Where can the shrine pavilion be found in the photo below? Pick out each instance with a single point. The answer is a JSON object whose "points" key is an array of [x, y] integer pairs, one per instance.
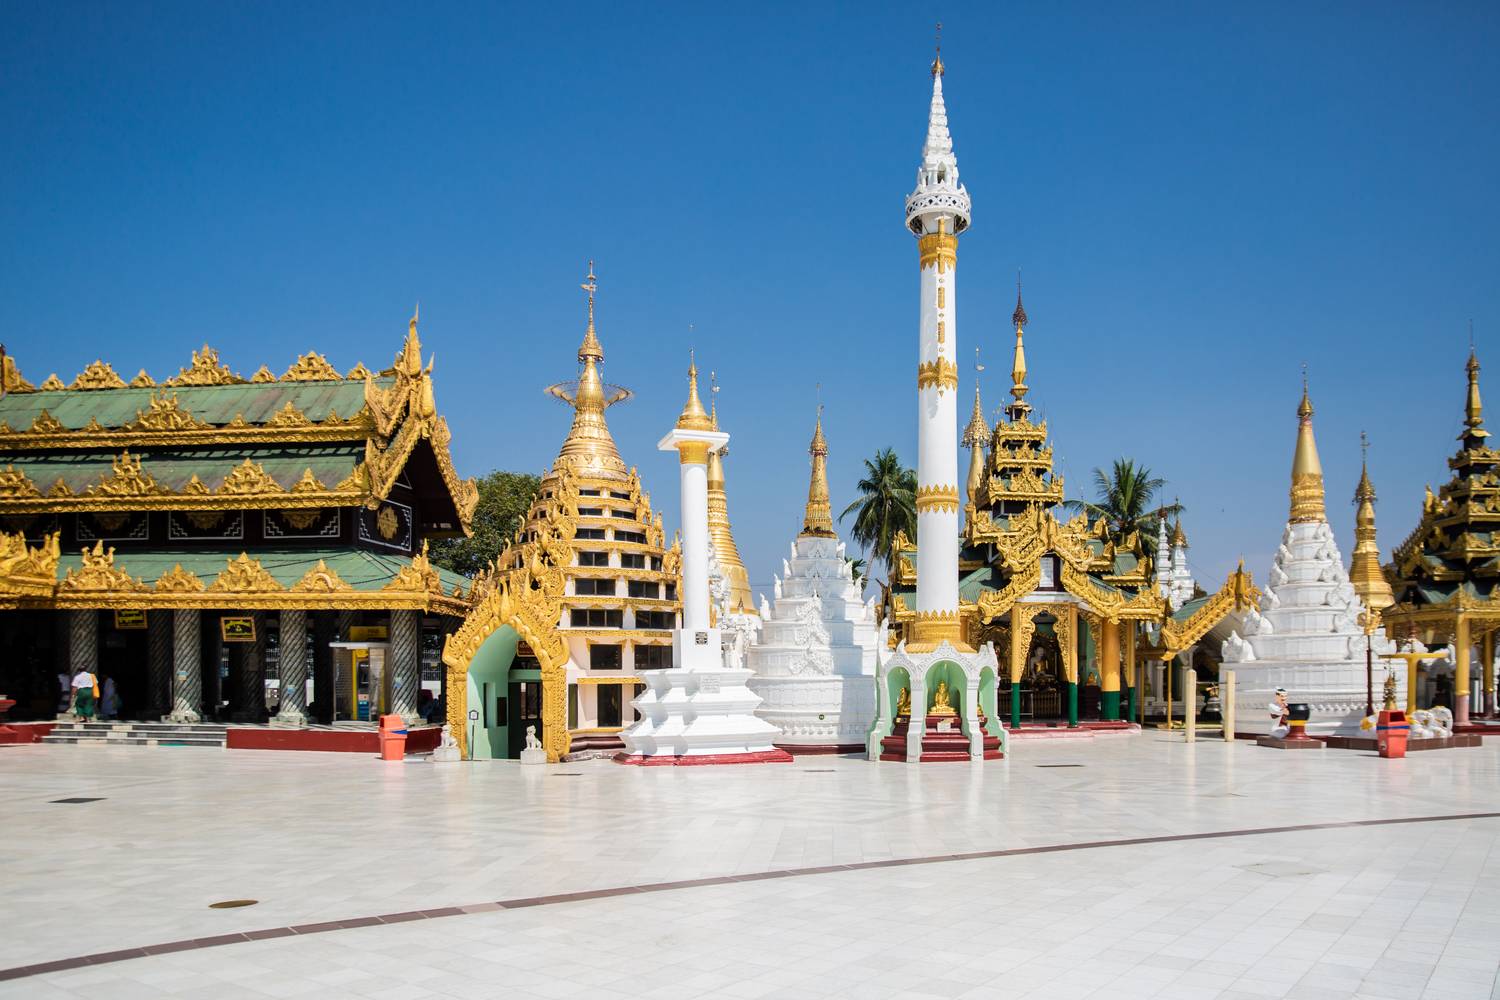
{"points": [[216, 544]]}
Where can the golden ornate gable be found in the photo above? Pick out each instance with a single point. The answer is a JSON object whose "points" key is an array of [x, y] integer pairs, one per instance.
{"points": [[27, 571], [243, 575], [98, 574], [98, 376], [126, 480], [165, 413], [312, 367], [321, 580], [206, 369]]}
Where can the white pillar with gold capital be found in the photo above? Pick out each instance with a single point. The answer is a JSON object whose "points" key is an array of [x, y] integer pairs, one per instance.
{"points": [[936, 213], [699, 711]]}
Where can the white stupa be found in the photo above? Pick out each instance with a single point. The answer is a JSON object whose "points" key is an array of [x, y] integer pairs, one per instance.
{"points": [[814, 665], [1308, 636]]}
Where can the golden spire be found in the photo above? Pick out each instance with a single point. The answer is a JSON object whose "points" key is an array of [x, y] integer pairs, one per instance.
{"points": [[720, 532], [1018, 365], [1364, 569], [975, 436], [1179, 537], [591, 348], [694, 417], [1473, 408], [410, 361], [817, 520], [589, 447], [937, 58], [1307, 471]]}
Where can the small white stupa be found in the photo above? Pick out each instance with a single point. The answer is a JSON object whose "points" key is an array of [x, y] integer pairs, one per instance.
{"points": [[1308, 636], [814, 665]]}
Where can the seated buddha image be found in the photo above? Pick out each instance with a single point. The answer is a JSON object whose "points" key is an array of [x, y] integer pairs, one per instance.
{"points": [[903, 704], [940, 703]]}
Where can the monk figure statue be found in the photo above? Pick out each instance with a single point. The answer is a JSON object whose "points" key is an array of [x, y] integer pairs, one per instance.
{"points": [[940, 705], [903, 704]]}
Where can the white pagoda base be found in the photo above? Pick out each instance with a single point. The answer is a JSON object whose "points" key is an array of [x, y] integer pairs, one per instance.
{"points": [[1307, 638], [699, 711]]}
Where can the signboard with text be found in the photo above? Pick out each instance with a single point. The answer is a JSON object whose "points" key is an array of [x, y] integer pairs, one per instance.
{"points": [[238, 628]]}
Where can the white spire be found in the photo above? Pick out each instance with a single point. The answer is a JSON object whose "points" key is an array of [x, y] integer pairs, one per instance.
{"points": [[939, 197], [938, 150]]}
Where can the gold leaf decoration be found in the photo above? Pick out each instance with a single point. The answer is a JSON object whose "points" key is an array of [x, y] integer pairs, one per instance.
{"points": [[309, 483], [98, 375], [46, 423], [247, 478], [320, 580], [206, 369], [52, 384], [126, 480], [142, 380], [288, 416], [243, 575], [11, 379], [195, 487], [164, 414], [179, 581], [59, 489], [99, 574], [359, 372], [14, 485], [263, 374], [311, 367]]}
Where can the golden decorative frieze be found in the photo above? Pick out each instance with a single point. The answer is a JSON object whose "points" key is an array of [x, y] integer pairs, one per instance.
{"points": [[179, 581], [320, 580], [1307, 498], [165, 413], [27, 571], [937, 498], [288, 416], [15, 485], [99, 574], [126, 480], [46, 423], [312, 367], [941, 373], [249, 478], [206, 369], [940, 249], [243, 575], [98, 376]]}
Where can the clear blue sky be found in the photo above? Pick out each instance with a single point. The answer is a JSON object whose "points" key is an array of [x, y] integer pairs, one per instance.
{"points": [[1201, 199]]}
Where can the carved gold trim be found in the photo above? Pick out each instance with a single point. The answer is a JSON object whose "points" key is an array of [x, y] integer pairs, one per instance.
{"points": [[938, 248], [938, 498], [311, 367], [941, 373], [98, 375], [692, 452], [205, 369]]}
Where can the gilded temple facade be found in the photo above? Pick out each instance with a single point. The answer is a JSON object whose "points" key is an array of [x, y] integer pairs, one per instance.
{"points": [[1445, 573], [1073, 611], [581, 603], [184, 537]]}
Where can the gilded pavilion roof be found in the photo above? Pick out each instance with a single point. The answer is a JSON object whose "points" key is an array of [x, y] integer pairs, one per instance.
{"points": [[207, 438]]}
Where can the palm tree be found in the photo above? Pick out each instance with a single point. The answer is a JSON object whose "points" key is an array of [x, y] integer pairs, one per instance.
{"points": [[857, 570], [1124, 496], [887, 504]]}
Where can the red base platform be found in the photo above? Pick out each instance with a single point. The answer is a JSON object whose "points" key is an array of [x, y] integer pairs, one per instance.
{"points": [[773, 756], [936, 745], [24, 732], [823, 749], [421, 740]]}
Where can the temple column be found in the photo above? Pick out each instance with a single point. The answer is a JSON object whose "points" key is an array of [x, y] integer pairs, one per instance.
{"points": [[252, 680], [1487, 675], [1017, 664], [1109, 669], [158, 663], [83, 641], [1132, 682], [1070, 664], [406, 664], [1461, 675], [187, 665], [292, 670]]}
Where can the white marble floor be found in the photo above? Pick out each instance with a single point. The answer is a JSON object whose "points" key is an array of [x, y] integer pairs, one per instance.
{"points": [[1389, 910]]}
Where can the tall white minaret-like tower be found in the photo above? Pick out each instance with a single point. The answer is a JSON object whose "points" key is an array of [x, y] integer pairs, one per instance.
{"points": [[936, 213]]}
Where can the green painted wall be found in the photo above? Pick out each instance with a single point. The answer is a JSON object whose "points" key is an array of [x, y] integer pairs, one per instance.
{"points": [[489, 678]]}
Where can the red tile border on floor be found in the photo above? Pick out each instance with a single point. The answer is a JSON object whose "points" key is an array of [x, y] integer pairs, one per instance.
{"points": [[146, 951]]}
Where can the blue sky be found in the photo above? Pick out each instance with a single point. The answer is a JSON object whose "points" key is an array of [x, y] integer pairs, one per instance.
{"points": [[1201, 200]]}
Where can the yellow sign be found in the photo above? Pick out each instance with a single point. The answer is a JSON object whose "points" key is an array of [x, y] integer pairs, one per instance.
{"points": [[368, 633], [130, 619], [239, 629]]}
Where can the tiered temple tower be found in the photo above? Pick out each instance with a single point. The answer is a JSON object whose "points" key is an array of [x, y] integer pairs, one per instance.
{"points": [[815, 661], [1308, 635]]}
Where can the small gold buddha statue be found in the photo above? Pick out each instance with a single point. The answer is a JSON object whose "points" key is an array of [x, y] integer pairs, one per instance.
{"points": [[903, 704], [940, 704]]}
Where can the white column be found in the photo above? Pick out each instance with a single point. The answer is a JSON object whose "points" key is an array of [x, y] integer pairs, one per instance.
{"points": [[937, 430], [694, 544]]}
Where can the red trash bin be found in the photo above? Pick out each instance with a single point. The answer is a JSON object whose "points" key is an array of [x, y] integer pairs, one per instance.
{"points": [[392, 737], [1391, 730]]}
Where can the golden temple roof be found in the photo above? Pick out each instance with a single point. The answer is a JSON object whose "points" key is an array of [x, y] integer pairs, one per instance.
{"points": [[1307, 471], [589, 449], [817, 519]]}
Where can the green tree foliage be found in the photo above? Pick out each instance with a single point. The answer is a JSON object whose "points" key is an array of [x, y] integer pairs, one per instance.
{"points": [[504, 498], [1123, 497], [887, 504]]}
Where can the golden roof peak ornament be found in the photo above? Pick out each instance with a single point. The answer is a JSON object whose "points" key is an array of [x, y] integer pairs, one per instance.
{"points": [[978, 431], [817, 519], [1179, 537], [1365, 574], [1473, 407], [591, 348], [937, 57], [1307, 470], [694, 417], [1018, 364]]}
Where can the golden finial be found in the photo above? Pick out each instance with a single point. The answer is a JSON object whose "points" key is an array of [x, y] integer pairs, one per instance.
{"points": [[693, 416], [1473, 408], [1307, 470], [1365, 574], [1179, 537], [713, 398], [590, 348], [937, 57], [978, 431], [1018, 364], [817, 519]]}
